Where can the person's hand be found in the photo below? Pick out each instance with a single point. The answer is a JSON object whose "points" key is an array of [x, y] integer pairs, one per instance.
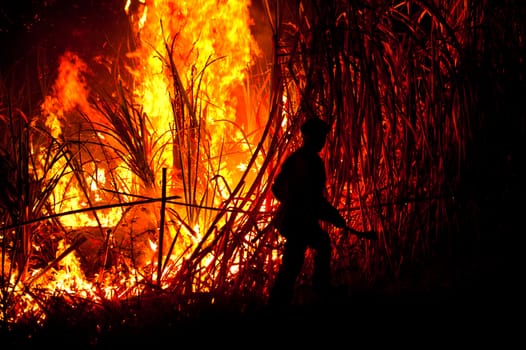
{"points": [[369, 235], [340, 222]]}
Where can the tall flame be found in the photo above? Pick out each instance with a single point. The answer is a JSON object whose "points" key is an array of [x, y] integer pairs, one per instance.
{"points": [[207, 47], [197, 52], [212, 51]]}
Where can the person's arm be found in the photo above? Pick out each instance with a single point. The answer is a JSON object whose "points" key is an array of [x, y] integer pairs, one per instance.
{"points": [[331, 214]]}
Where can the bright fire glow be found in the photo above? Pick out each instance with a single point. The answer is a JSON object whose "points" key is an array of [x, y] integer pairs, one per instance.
{"points": [[194, 128]]}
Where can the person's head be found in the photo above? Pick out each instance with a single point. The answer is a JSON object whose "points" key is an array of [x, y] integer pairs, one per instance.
{"points": [[314, 132]]}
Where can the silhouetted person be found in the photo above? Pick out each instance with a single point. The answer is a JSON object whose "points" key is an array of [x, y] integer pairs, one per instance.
{"points": [[300, 188]]}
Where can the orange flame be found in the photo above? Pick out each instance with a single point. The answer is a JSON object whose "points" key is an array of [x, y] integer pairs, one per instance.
{"points": [[199, 50], [212, 51]]}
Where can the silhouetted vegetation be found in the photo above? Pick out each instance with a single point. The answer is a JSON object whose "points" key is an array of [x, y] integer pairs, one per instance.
{"points": [[426, 100]]}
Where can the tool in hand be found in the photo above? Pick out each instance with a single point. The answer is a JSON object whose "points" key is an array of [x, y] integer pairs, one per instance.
{"points": [[371, 235]]}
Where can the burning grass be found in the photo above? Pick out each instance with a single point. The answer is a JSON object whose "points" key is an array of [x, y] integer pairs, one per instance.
{"points": [[146, 187]]}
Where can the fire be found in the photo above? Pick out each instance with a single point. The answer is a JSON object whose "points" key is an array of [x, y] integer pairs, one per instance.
{"points": [[189, 76], [212, 49]]}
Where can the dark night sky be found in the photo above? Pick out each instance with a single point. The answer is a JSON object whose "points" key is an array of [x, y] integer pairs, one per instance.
{"points": [[29, 26]]}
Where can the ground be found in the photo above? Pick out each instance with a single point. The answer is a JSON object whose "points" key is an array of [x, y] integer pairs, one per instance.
{"points": [[469, 317]]}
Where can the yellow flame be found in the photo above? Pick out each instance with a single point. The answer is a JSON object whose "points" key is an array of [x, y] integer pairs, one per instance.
{"points": [[212, 50]]}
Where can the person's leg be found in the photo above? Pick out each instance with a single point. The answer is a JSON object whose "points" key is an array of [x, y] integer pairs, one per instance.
{"points": [[292, 262], [321, 277]]}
